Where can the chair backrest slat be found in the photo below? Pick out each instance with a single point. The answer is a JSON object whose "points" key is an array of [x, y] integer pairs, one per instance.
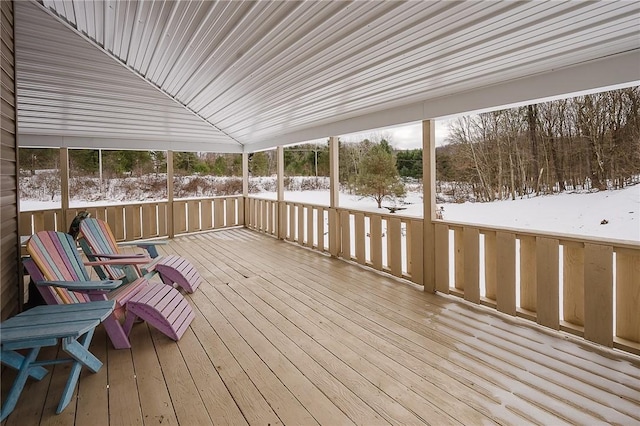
{"points": [[96, 237], [57, 258]]}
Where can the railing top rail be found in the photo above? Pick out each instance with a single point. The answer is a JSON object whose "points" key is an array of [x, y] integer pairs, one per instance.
{"points": [[215, 197], [630, 244]]}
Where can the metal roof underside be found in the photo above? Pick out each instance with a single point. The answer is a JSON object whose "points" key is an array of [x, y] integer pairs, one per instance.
{"points": [[234, 75]]}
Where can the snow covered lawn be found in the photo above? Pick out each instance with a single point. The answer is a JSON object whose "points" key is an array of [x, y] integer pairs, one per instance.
{"points": [[567, 213]]}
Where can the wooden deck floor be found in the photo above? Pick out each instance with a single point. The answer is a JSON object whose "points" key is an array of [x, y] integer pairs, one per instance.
{"points": [[283, 335]]}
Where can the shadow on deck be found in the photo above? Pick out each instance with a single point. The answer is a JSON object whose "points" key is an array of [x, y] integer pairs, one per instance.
{"points": [[284, 335]]}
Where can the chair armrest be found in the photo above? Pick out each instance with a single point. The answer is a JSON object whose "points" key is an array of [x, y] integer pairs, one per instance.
{"points": [[118, 256], [105, 285], [120, 262], [144, 243], [148, 245]]}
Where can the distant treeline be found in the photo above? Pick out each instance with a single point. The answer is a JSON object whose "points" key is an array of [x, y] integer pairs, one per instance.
{"points": [[590, 141]]}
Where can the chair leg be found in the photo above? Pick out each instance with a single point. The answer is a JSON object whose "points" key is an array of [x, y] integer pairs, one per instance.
{"points": [[78, 350], [128, 322], [116, 332], [18, 383]]}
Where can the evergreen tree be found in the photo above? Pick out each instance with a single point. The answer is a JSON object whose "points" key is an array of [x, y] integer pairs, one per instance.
{"points": [[409, 163], [33, 159], [378, 177], [84, 162], [259, 164]]}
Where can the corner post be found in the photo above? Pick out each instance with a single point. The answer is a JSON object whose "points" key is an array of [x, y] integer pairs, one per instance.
{"points": [[334, 196], [281, 206], [170, 225], [64, 185], [245, 187], [429, 201]]}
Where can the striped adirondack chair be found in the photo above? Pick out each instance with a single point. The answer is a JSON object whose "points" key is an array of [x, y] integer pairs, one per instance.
{"points": [[61, 276], [97, 242]]}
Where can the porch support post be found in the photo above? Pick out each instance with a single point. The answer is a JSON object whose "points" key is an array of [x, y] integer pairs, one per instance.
{"points": [[334, 172], [429, 202], [334, 201], [170, 227], [282, 213], [64, 186], [245, 174], [245, 187]]}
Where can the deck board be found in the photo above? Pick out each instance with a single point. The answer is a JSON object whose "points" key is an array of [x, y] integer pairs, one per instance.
{"points": [[285, 335]]}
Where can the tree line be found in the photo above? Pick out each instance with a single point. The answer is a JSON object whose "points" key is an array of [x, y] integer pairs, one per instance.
{"points": [[590, 141]]}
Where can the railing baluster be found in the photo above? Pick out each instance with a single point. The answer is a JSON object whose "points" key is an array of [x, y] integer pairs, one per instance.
{"points": [[292, 222], [301, 238], [506, 272], [417, 252], [320, 229], [179, 217], [241, 210], [149, 224], [375, 236], [471, 240], [230, 210], [490, 265], [162, 219], [573, 284], [360, 238], [442, 257], [394, 237], [458, 248], [628, 294], [193, 215], [266, 212], [547, 285], [345, 225], [206, 218], [598, 293], [218, 213], [528, 280], [310, 222]]}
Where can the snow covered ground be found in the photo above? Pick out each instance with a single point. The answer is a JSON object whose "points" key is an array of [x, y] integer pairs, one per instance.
{"points": [[568, 213]]}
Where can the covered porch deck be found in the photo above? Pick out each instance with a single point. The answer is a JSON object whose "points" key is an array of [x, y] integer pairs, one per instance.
{"points": [[286, 335]]}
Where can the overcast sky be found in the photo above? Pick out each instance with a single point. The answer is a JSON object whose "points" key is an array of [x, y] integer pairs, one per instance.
{"points": [[408, 136]]}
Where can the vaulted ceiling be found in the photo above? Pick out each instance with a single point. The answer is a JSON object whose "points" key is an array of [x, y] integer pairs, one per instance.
{"points": [[245, 75]]}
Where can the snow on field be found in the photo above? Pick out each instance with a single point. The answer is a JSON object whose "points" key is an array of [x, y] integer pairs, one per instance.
{"points": [[568, 213]]}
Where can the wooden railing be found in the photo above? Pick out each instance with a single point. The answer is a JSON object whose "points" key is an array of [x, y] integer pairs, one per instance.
{"points": [[385, 242], [130, 222], [205, 214], [586, 286]]}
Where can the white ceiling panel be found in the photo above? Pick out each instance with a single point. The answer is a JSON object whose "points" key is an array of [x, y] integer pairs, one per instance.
{"points": [[68, 87], [251, 74]]}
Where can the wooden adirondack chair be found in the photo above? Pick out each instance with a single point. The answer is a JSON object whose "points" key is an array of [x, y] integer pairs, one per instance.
{"points": [[98, 242], [61, 276], [22, 337]]}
